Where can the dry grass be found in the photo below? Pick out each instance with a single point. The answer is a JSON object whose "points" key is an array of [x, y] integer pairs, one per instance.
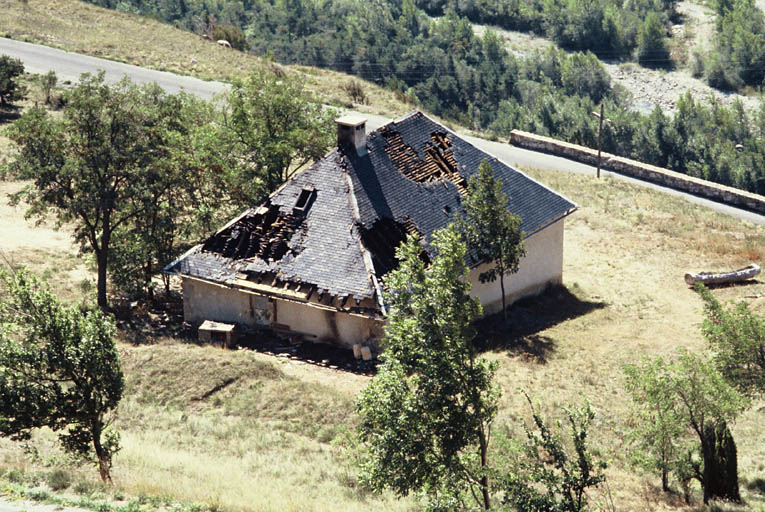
{"points": [[271, 437], [264, 441], [627, 249], [84, 28]]}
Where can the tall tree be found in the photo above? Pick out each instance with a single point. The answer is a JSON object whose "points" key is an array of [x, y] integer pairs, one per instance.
{"points": [[652, 49], [278, 128], [703, 404], [59, 368], [491, 231], [180, 207], [103, 165], [426, 417], [737, 336]]}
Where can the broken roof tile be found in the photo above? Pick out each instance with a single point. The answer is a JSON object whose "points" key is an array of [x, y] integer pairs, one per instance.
{"points": [[317, 227]]}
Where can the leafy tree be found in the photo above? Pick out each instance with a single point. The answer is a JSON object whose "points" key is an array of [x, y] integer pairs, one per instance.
{"points": [[652, 49], [107, 163], [549, 477], [583, 74], [426, 417], [657, 429], [59, 368], [490, 230], [276, 125], [739, 45], [702, 403], [738, 338], [10, 70], [181, 207]]}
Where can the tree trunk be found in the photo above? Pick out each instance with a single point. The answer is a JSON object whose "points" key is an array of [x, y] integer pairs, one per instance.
{"points": [[484, 467], [103, 458], [101, 262], [664, 480], [720, 464], [502, 287]]}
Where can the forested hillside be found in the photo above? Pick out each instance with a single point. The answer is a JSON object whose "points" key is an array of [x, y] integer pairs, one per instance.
{"points": [[442, 66]]}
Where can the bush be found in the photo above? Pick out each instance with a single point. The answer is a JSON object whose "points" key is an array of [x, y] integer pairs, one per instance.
{"points": [[58, 480], [47, 83], [15, 476], [355, 91], [10, 70], [233, 35], [582, 74], [85, 487], [721, 74], [697, 64]]}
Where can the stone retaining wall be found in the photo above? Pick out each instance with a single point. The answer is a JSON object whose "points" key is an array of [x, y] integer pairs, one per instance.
{"points": [[676, 180]]}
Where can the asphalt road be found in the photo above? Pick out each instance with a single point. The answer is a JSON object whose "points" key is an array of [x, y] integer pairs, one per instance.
{"points": [[69, 66]]}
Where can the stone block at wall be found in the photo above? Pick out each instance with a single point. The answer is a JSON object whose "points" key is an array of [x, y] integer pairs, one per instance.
{"points": [[666, 177]]}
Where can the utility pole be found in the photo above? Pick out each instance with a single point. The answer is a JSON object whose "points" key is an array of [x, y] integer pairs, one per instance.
{"points": [[600, 133]]}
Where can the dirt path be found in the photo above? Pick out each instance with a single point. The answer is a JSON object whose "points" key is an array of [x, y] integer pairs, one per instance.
{"points": [[17, 233], [45, 250]]}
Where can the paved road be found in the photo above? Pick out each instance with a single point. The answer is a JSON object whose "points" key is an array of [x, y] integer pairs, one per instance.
{"points": [[69, 66], [8, 505]]}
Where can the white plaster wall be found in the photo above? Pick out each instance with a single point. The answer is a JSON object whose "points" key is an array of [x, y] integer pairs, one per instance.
{"points": [[203, 300], [543, 264], [304, 319], [323, 325]]}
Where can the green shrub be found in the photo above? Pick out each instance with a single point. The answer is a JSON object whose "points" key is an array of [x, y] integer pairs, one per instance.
{"points": [[10, 70], [233, 35], [84, 487], [652, 49], [58, 479], [15, 476], [721, 74]]}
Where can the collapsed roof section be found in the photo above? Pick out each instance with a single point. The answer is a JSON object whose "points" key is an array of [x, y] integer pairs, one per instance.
{"points": [[302, 244], [329, 234], [416, 170]]}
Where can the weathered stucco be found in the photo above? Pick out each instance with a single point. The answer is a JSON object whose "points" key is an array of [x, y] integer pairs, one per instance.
{"points": [[203, 300], [542, 265], [324, 325]]}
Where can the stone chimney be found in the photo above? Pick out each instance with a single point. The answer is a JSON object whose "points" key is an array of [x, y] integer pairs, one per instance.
{"points": [[352, 131]]}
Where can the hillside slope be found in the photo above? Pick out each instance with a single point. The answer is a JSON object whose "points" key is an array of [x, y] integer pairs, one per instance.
{"points": [[80, 27]]}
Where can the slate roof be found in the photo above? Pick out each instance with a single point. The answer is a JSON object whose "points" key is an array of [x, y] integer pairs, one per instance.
{"points": [[324, 251], [382, 191], [411, 176]]}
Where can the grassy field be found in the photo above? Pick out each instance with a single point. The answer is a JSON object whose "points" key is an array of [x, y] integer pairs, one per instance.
{"points": [[238, 430], [273, 438], [84, 28]]}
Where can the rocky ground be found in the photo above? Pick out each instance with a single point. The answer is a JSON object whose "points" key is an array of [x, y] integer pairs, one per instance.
{"points": [[651, 87]]}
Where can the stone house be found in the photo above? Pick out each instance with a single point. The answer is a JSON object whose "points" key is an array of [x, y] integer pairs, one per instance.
{"points": [[312, 259]]}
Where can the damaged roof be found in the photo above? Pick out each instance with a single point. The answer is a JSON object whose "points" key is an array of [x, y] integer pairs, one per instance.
{"points": [[384, 189], [317, 246], [335, 226]]}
